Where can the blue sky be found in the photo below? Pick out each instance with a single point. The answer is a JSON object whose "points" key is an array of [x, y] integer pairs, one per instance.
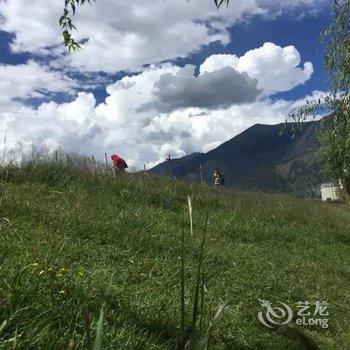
{"points": [[163, 78]]}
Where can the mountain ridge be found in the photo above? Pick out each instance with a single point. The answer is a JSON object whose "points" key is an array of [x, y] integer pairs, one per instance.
{"points": [[277, 158]]}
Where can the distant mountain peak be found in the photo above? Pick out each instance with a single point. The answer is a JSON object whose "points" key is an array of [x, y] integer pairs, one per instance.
{"points": [[271, 158]]}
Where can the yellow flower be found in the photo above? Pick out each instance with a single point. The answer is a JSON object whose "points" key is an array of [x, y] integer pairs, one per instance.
{"points": [[41, 272]]}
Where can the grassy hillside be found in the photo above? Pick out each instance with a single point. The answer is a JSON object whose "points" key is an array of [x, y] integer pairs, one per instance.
{"points": [[72, 241]]}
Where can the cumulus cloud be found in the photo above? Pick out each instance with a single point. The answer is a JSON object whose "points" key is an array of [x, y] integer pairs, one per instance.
{"points": [[83, 127], [275, 68], [69, 125], [226, 80], [31, 80], [117, 124], [220, 88], [19, 83], [123, 35]]}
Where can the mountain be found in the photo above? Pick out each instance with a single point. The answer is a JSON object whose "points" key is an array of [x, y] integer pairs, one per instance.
{"points": [[260, 158]]}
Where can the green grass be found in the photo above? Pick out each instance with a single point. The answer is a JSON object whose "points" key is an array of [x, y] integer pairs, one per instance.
{"points": [[72, 242]]}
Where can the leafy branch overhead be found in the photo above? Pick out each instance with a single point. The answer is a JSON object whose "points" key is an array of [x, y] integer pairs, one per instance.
{"points": [[66, 22], [218, 3]]}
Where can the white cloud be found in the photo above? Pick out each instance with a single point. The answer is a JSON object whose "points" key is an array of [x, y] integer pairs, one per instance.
{"points": [[21, 82], [122, 35], [125, 35], [30, 80], [276, 68], [71, 125], [148, 139], [141, 137], [82, 126]]}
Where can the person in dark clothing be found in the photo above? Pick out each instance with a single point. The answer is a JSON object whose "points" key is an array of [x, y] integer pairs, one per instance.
{"points": [[218, 178]]}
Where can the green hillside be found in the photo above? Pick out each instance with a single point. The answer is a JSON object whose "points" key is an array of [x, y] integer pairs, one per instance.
{"points": [[72, 241]]}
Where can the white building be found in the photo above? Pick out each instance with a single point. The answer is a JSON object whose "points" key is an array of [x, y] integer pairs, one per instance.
{"points": [[330, 192]]}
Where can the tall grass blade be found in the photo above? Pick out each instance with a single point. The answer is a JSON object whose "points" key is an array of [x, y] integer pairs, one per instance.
{"points": [[87, 327], [4, 153], [3, 325], [15, 340], [199, 277], [212, 323], [201, 319], [190, 212], [98, 340], [182, 282]]}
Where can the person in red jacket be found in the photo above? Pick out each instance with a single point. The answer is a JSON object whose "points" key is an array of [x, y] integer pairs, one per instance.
{"points": [[119, 164]]}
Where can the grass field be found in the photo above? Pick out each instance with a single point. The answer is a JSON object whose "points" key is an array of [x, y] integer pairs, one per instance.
{"points": [[72, 241]]}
